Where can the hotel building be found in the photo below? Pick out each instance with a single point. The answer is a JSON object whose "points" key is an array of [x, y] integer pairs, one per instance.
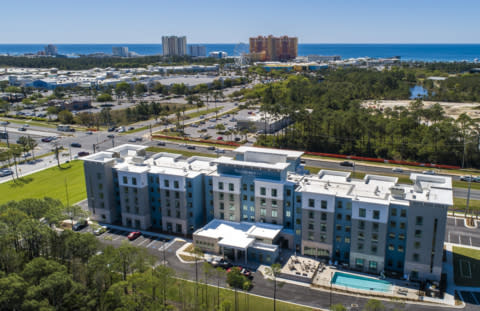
{"points": [[174, 46], [273, 48], [250, 206]]}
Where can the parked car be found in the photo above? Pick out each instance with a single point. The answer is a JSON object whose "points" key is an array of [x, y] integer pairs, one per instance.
{"points": [[88, 132], [397, 170], [111, 129], [347, 163], [133, 235], [219, 138], [220, 151], [111, 136], [222, 263], [5, 172], [190, 147], [22, 129], [47, 139], [76, 145], [429, 172], [83, 153], [100, 230], [79, 225], [132, 140], [138, 138], [161, 143], [131, 128], [211, 148], [243, 271]]}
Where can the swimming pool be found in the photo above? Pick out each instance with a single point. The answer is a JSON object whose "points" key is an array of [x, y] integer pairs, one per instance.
{"points": [[360, 282]]}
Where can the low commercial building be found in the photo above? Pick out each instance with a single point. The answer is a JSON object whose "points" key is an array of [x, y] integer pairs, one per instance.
{"points": [[262, 122]]}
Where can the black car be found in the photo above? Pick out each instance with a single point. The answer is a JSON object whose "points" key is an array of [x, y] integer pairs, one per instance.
{"points": [[47, 139], [347, 163], [83, 153], [211, 148], [190, 147], [80, 225], [111, 136], [111, 129], [76, 145], [161, 143]]}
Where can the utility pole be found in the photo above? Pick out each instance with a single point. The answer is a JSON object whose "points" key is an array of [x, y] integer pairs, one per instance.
{"points": [[468, 195]]}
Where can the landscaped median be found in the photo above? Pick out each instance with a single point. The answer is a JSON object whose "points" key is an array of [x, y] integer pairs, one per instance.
{"points": [[58, 183]]}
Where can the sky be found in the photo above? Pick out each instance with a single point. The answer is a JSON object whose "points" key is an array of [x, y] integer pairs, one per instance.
{"points": [[212, 21]]}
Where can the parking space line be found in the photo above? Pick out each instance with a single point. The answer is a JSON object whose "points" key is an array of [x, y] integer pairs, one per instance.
{"points": [[470, 240], [141, 243], [459, 241], [117, 237], [149, 244], [449, 237]]}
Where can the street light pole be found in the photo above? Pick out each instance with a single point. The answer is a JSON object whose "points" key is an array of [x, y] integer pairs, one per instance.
{"points": [[331, 276]]}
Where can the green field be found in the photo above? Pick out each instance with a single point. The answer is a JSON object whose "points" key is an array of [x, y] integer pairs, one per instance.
{"points": [[466, 266], [48, 183]]}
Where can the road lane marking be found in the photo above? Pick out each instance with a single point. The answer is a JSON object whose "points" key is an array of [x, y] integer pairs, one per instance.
{"points": [[459, 241], [470, 240], [141, 243]]}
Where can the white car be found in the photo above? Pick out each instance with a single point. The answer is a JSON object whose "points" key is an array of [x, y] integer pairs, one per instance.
{"points": [[397, 170], [430, 172]]}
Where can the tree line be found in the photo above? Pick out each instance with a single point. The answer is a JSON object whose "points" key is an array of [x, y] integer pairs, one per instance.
{"points": [[327, 116]]}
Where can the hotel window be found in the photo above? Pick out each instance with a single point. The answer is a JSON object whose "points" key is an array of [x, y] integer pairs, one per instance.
{"points": [[323, 237], [101, 195], [125, 180], [361, 225], [245, 216], [175, 184], [347, 239], [244, 187], [298, 221], [220, 196], [311, 226], [391, 235], [263, 212], [374, 237], [222, 216], [189, 184], [391, 247], [338, 239], [244, 197], [401, 236], [252, 209], [362, 212], [311, 203], [339, 216], [416, 257], [245, 208], [349, 205], [177, 204], [100, 186], [189, 204], [169, 213], [299, 199], [324, 216], [298, 232], [393, 224], [417, 245], [310, 215], [263, 202], [393, 212], [402, 225], [222, 206], [232, 207], [403, 213], [348, 217], [166, 183], [135, 190], [372, 265], [190, 195], [220, 185], [178, 214], [287, 204], [400, 248], [167, 193], [274, 213], [374, 249], [99, 176], [252, 198], [231, 197], [289, 192], [168, 203], [419, 221], [209, 182], [359, 262], [274, 203], [361, 236], [177, 195], [347, 229], [323, 227], [376, 214], [324, 204], [263, 191], [288, 213], [375, 227], [418, 233], [274, 193], [310, 236], [339, 227], [360, 246], [231, 187], [339, 204], [252, 187]]}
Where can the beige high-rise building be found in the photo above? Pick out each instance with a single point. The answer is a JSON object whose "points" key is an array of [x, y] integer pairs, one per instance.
{"points": [[273, 48], [174, 46]]}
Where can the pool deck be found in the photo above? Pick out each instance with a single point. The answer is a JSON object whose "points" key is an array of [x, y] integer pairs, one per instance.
{"points": [[399, 289]]}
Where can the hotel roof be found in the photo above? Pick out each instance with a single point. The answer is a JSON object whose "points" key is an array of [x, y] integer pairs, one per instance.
{"points": [[288, 153]]}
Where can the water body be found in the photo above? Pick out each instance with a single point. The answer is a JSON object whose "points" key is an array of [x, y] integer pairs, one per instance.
{"points": [[420, 52], [418, 92]]}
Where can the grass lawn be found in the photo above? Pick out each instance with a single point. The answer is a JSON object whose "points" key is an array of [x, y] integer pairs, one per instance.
{"points": [[48, 183], [202, 112], [466, 266], [245, 302], [460, 204]]}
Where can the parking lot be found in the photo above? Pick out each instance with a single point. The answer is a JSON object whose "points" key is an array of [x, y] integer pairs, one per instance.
{"points": [[458, 233], [116, 237]]}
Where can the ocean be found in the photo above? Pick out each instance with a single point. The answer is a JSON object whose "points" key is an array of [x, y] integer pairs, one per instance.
{"points": [[420, 52]]}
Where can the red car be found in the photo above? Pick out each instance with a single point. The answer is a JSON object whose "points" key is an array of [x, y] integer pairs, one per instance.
{"points": [[133, 235], [219, 138]]}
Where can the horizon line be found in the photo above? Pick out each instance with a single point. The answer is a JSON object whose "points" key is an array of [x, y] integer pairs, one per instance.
{"points": [[127, 43]]}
